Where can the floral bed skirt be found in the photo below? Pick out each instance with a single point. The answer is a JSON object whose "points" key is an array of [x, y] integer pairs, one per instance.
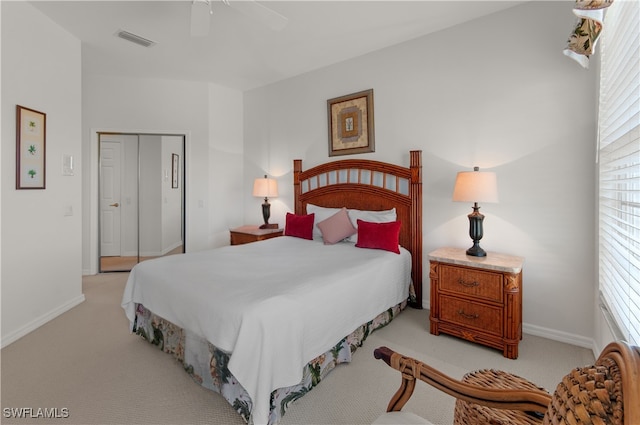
{"points": [[207, 364]]}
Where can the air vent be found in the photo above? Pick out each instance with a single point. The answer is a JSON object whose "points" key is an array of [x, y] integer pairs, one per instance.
{"points": [[141, 41]]}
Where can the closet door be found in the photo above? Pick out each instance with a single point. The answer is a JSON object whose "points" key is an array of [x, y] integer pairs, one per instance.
{"points": [[118, 194], [110, 198], [161, 195], [145, 173]]}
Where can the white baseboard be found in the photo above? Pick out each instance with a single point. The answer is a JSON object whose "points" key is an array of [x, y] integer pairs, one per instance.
{"points": [[556, 335], [35, 324]]}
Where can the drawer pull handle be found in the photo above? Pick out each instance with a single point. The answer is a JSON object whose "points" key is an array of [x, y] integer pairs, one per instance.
{"points": [[467, 316], [468, 284]]}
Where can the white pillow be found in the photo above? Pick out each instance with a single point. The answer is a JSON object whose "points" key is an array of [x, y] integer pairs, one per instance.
{"points": [[384, 216], [321, 214]]}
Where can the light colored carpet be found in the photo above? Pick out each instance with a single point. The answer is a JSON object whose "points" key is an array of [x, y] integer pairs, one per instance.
{"points": [[87, 362], [126, 263]]}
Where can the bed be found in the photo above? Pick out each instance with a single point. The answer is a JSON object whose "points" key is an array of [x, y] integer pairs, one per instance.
{"points": [[263, 336]]}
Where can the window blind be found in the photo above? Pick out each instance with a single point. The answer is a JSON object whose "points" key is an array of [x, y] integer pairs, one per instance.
{"points": [[619, 166]]}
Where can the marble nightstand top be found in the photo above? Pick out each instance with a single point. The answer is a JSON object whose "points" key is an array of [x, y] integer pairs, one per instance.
{"points": [[493, 260]]}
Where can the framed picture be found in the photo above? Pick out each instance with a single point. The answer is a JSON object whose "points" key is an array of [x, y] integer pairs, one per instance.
{"points": [[175, 159], [31, 132], [351, 127]]}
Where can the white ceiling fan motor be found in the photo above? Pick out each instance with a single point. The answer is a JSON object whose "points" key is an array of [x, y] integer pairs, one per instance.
{"points": [[201, 11]]}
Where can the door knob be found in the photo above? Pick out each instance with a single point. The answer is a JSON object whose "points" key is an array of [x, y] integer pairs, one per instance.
{"points": [[115, 205]]}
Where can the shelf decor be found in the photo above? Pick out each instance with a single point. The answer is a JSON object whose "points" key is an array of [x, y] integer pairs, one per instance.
{"points": [[30, 148]]}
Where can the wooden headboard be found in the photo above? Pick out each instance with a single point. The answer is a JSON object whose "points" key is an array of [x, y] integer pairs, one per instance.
{"points": [[369, 185]]}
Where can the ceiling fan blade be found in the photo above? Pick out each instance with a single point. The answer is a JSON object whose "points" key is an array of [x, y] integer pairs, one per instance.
{"points": [[260, 13], [200, 18]]}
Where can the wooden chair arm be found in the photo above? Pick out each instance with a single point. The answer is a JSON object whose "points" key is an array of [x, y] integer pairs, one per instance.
{"points": [[627, 357], [412, 370]]}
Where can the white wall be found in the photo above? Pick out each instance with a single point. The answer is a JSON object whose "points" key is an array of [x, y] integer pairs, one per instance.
{"points": [[495, 92], [226, 150], [211, 118], [41, 247]]}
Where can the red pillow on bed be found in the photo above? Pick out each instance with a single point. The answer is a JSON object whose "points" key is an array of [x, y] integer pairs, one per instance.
{"points": [[379, 235], [299, 226]]}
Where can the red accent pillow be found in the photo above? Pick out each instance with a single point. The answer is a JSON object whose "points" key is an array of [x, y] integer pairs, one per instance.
{"points": [[379, 235], [299, 226]]}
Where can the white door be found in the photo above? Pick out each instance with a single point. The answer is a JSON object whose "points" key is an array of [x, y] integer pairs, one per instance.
{"points": [[110, 202]]}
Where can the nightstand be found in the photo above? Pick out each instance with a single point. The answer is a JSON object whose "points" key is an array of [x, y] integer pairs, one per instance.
{"points": [[477, 298], [248, 234]]}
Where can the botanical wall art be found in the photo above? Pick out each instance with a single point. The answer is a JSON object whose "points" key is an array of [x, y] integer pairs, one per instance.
{"points": [[30, 148], [351, 124]]}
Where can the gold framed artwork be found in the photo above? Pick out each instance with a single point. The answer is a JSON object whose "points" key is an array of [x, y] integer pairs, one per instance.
{"points": [[351, 128], [31, 133]]}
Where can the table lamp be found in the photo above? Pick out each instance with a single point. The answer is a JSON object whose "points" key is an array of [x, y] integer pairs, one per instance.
{"points": [[476, 186], [265, 188]]}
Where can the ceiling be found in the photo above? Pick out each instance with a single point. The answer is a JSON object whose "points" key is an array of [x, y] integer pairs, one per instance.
{"points": [[242, 50]]}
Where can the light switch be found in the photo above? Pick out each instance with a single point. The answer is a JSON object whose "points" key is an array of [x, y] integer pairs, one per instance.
{"points": [[67, 165]]}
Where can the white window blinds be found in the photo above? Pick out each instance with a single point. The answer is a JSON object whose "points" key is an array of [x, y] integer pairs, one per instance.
{"points": [[619, 157]]}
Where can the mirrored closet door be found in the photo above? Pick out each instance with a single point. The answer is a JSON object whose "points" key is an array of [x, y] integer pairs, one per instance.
{"points": [[141, 198]]}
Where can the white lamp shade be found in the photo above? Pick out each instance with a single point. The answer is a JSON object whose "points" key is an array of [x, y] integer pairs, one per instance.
{"points": [[476, 186], [265, 188]]}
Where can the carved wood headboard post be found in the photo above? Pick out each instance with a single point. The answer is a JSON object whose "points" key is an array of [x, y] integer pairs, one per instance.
{"points": [[416, 225], [297, 191]]}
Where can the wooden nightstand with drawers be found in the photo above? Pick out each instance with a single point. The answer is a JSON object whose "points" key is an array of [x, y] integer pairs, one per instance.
{"points": [[248, 234], [477, 298]]}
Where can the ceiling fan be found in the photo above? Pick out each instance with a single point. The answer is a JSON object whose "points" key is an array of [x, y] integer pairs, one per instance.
{"points": [[201, 12]]}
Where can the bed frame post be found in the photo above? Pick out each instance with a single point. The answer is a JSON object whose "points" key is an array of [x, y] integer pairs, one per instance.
{"points": [[416, 225], [297, 190]]}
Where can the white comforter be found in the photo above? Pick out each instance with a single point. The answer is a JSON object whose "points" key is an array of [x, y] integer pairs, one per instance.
{"points": [[274, 305]]}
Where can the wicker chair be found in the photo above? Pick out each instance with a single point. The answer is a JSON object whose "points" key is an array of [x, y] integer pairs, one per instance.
{"points": [[605, 393]]}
